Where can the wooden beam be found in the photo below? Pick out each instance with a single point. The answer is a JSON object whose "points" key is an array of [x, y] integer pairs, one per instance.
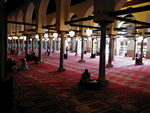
{"points": [[22, 23], [132, 21], [79, 20], [134, 2], [85, 26], [130, 10], [138, 27], [47, 26]]}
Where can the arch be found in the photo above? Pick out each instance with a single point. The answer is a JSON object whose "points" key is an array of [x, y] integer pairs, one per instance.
{"points": [[119, 4], [148, 20], [89, 11], [29, 14], [41, 17], [20, 17], [53, 21], [11, 27]]}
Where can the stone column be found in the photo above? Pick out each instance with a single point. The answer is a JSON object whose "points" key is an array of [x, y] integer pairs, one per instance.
{"points": [[27, 44], [40, 48], [134, 57], [102, 78], [18, 49], [82, 51], [113, 48], [35, 44], [58, 44], [92, 48], [76, 48], [22, 45], [6, 84], [12, 44], [3, 47], [54, 44], [15, 45], [32, 45], [141, 55], [61, 65], [71, 45], [50, 46], [110, 52], [148, 49], [8, 44]]}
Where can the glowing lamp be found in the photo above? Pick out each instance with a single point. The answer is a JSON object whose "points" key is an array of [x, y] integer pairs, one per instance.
{"points": [[71, 33], [37, 36], [89, 32], [140, 38], [25, 38], [55, 35], [46, 35], [10, 38], [15, 37]]}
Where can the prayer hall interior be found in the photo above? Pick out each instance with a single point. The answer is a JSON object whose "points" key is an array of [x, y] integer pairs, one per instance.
{"points": [[75, 56]]}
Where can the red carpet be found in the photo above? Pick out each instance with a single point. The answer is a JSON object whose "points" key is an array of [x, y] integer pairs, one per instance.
{"points": [[129, 84]]}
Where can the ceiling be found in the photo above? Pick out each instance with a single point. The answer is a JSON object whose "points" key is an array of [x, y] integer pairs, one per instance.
{"points": [[11, 5]]}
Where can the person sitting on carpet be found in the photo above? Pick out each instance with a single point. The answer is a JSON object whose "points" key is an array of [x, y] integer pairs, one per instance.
{"points": [[24, 64], [33, 55], [47, 52], [11, 65], [137, 59], [85, 76]]}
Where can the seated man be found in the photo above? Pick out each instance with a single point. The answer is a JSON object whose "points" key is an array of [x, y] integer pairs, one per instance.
{"points": [[137, 59], [24, 64], [85, 76], [11, 65]]}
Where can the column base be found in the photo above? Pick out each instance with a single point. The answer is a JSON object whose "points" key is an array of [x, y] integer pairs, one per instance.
{"points": [[92, 56], [81, 61], [6, 95], [103, 82], [140, 63], [61, 69], [39, 62], [109, 65], [18, 55]]}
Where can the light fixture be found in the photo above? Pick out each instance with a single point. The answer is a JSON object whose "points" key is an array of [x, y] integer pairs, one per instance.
{"points": [[59, 39], [47, 39], [68, 39], [89, 38], [25, 38], [15, 37], [43, 39], [21, 37], [85, 38], [129, 41], [121, 38], [89, 32], [10, 38], [71, 33], [46, 35], [140, 38], [37, 36], [55, 35], [30, 39], [76, 39]]}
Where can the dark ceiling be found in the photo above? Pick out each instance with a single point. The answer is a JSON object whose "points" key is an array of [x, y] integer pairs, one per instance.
{"points": [[11, 5]]}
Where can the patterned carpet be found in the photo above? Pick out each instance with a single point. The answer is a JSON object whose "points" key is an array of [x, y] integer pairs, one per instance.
{"points": [[44, 90]]}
